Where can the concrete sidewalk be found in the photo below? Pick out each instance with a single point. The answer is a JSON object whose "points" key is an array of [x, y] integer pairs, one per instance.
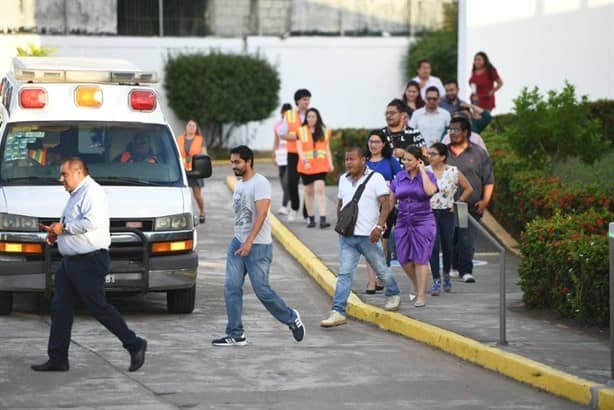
{"points": [[471, 310]]}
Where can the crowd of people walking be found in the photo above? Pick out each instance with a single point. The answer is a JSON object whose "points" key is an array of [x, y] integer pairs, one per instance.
{"points": [[430, 155]]}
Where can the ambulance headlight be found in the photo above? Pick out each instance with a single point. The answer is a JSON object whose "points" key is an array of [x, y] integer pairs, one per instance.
{"points": [[173, 222], [18, 223]]}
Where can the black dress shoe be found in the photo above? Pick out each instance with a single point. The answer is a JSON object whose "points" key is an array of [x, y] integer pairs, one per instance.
{"points": [[51, 366], [137, 358]]}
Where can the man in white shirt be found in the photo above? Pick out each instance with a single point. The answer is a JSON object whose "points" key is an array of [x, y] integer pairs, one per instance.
{"points": [[426, 80], [83, 239], [366, 236], [431, 120]]}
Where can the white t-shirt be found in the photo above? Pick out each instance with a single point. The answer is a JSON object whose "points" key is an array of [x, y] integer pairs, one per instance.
{"points": [[432, 81], [368, 204], [244, 204]]}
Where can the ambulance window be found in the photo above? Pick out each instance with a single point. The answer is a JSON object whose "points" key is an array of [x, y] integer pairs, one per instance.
{"points": [[116, 153]]}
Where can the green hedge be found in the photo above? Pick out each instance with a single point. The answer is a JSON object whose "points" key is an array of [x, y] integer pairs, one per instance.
{"points": [[565, 265], [604, 111]]}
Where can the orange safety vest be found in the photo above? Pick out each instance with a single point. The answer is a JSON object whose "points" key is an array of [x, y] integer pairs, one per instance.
{"points": [[195, 148], [293, 119], [127, 157], [314, 153], [38, 155]]}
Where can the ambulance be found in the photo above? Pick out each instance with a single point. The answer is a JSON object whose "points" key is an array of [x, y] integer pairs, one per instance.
{"points": [[107, 113]]}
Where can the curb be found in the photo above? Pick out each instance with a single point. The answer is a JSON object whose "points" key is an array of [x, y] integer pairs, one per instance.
{"points": [[519, 368]]}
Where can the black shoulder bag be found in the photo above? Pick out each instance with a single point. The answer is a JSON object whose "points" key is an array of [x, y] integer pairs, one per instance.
{"points": [[346, 219]]}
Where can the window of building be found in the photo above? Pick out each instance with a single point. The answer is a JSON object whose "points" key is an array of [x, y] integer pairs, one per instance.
{"points": [[179, 17]]}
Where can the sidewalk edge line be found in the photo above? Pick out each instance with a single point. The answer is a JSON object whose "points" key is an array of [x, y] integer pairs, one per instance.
{"points": [[509, 364]]}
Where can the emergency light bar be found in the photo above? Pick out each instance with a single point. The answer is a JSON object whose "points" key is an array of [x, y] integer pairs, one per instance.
{"points": [[49, 70]]}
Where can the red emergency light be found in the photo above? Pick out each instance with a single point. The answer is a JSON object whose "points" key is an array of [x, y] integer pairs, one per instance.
{"points": [[33, 98], [142, 100]]}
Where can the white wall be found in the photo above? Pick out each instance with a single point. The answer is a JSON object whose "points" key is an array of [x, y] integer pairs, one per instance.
{"points": [[540, 42], [351, 79]]}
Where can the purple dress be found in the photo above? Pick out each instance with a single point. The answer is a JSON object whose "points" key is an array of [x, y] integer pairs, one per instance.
{"points": [[415, 230]]}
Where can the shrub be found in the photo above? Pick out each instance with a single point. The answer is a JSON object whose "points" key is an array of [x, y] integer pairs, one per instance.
{"points": [[219, 89], [550, 130], [604, 111], [564, 265]]}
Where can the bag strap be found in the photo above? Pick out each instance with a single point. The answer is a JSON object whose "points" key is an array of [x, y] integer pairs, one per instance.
{"points": [[361, 188]]}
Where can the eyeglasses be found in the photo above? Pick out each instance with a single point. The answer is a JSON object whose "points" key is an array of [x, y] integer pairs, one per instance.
{"points": [[375, 142], [392, 112], [453, 130], [432, 98]]}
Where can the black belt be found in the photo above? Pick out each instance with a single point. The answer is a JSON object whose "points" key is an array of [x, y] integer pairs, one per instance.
{"points": [[82, 255]]}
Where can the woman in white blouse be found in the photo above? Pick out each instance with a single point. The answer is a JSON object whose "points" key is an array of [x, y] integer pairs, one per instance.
{"points": [[449, 178]]}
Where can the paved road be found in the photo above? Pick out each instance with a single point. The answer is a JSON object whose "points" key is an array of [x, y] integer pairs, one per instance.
{"points": [[355, 366]]}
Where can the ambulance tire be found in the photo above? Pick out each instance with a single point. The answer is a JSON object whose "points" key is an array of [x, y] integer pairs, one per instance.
{"points": [[6, 303], [181, 301]]}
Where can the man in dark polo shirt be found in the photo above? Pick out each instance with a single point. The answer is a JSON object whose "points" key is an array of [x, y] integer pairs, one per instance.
{"points": [[476, 165]]}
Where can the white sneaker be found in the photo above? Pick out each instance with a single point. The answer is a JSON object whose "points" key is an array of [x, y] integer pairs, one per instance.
{"points": [[468, 278], [282, 210], [393, 302], [334, 319], [292, 216], [454, 274]]}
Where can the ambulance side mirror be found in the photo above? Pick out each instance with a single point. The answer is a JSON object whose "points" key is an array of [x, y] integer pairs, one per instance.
{"points": [[201, 166]]}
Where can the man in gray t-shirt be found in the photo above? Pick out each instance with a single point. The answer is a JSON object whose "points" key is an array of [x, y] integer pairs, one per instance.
{"points": [[246, 195], [251, 252]]}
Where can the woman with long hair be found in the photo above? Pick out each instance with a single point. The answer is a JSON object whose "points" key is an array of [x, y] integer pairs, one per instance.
{"points": [[415, 230], [449, 179], [412, 98], [315, 161], [380, 159], [484, 82], [191, 143]]}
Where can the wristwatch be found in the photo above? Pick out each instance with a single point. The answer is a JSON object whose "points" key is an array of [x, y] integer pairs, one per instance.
{"points": [[381, 228]]}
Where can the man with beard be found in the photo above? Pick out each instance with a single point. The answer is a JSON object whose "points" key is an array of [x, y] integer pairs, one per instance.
{"points": [[398, 134], [251, 251], [476, 166]]}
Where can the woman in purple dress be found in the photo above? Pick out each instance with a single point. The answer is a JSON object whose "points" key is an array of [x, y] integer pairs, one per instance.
{"points": [[415, 229]]}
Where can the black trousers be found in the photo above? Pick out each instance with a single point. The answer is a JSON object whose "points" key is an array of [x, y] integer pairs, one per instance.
{"points": [[293, 181], [82, 278]]}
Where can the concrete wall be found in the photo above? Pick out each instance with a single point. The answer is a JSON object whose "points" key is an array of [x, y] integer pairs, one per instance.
{"points": [[59, 16], [540, 43], [352, 79], [236, 18]]}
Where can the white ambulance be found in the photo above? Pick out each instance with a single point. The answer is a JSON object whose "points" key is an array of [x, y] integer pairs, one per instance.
{"points": [[106, 112]]}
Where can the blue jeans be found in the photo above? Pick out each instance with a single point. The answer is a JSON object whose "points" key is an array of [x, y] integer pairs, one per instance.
{"points": [[82, 278], [464, 248], [350, 249], [444, 219], [256, 264]]}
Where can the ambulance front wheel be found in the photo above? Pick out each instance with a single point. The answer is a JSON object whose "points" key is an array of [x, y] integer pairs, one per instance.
{"points": [[6, 303], [181, 301]]}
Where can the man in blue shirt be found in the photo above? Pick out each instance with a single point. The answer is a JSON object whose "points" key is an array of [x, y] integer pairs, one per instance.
{"points": [[83, 239]]}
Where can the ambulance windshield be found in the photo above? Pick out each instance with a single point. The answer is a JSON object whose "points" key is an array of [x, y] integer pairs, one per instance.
{"points": [[115, 153]]}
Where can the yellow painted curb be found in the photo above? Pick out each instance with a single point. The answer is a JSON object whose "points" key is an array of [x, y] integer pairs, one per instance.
{"points": [[606, 399], [509, 364]]}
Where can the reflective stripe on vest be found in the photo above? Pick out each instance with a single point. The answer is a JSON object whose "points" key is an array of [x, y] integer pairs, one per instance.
{"points": [[293, 119], [315, 155], [38, 155]]}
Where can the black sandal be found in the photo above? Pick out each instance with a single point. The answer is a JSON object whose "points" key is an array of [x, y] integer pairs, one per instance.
{"points": [[201, 219], [370, 291]]}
